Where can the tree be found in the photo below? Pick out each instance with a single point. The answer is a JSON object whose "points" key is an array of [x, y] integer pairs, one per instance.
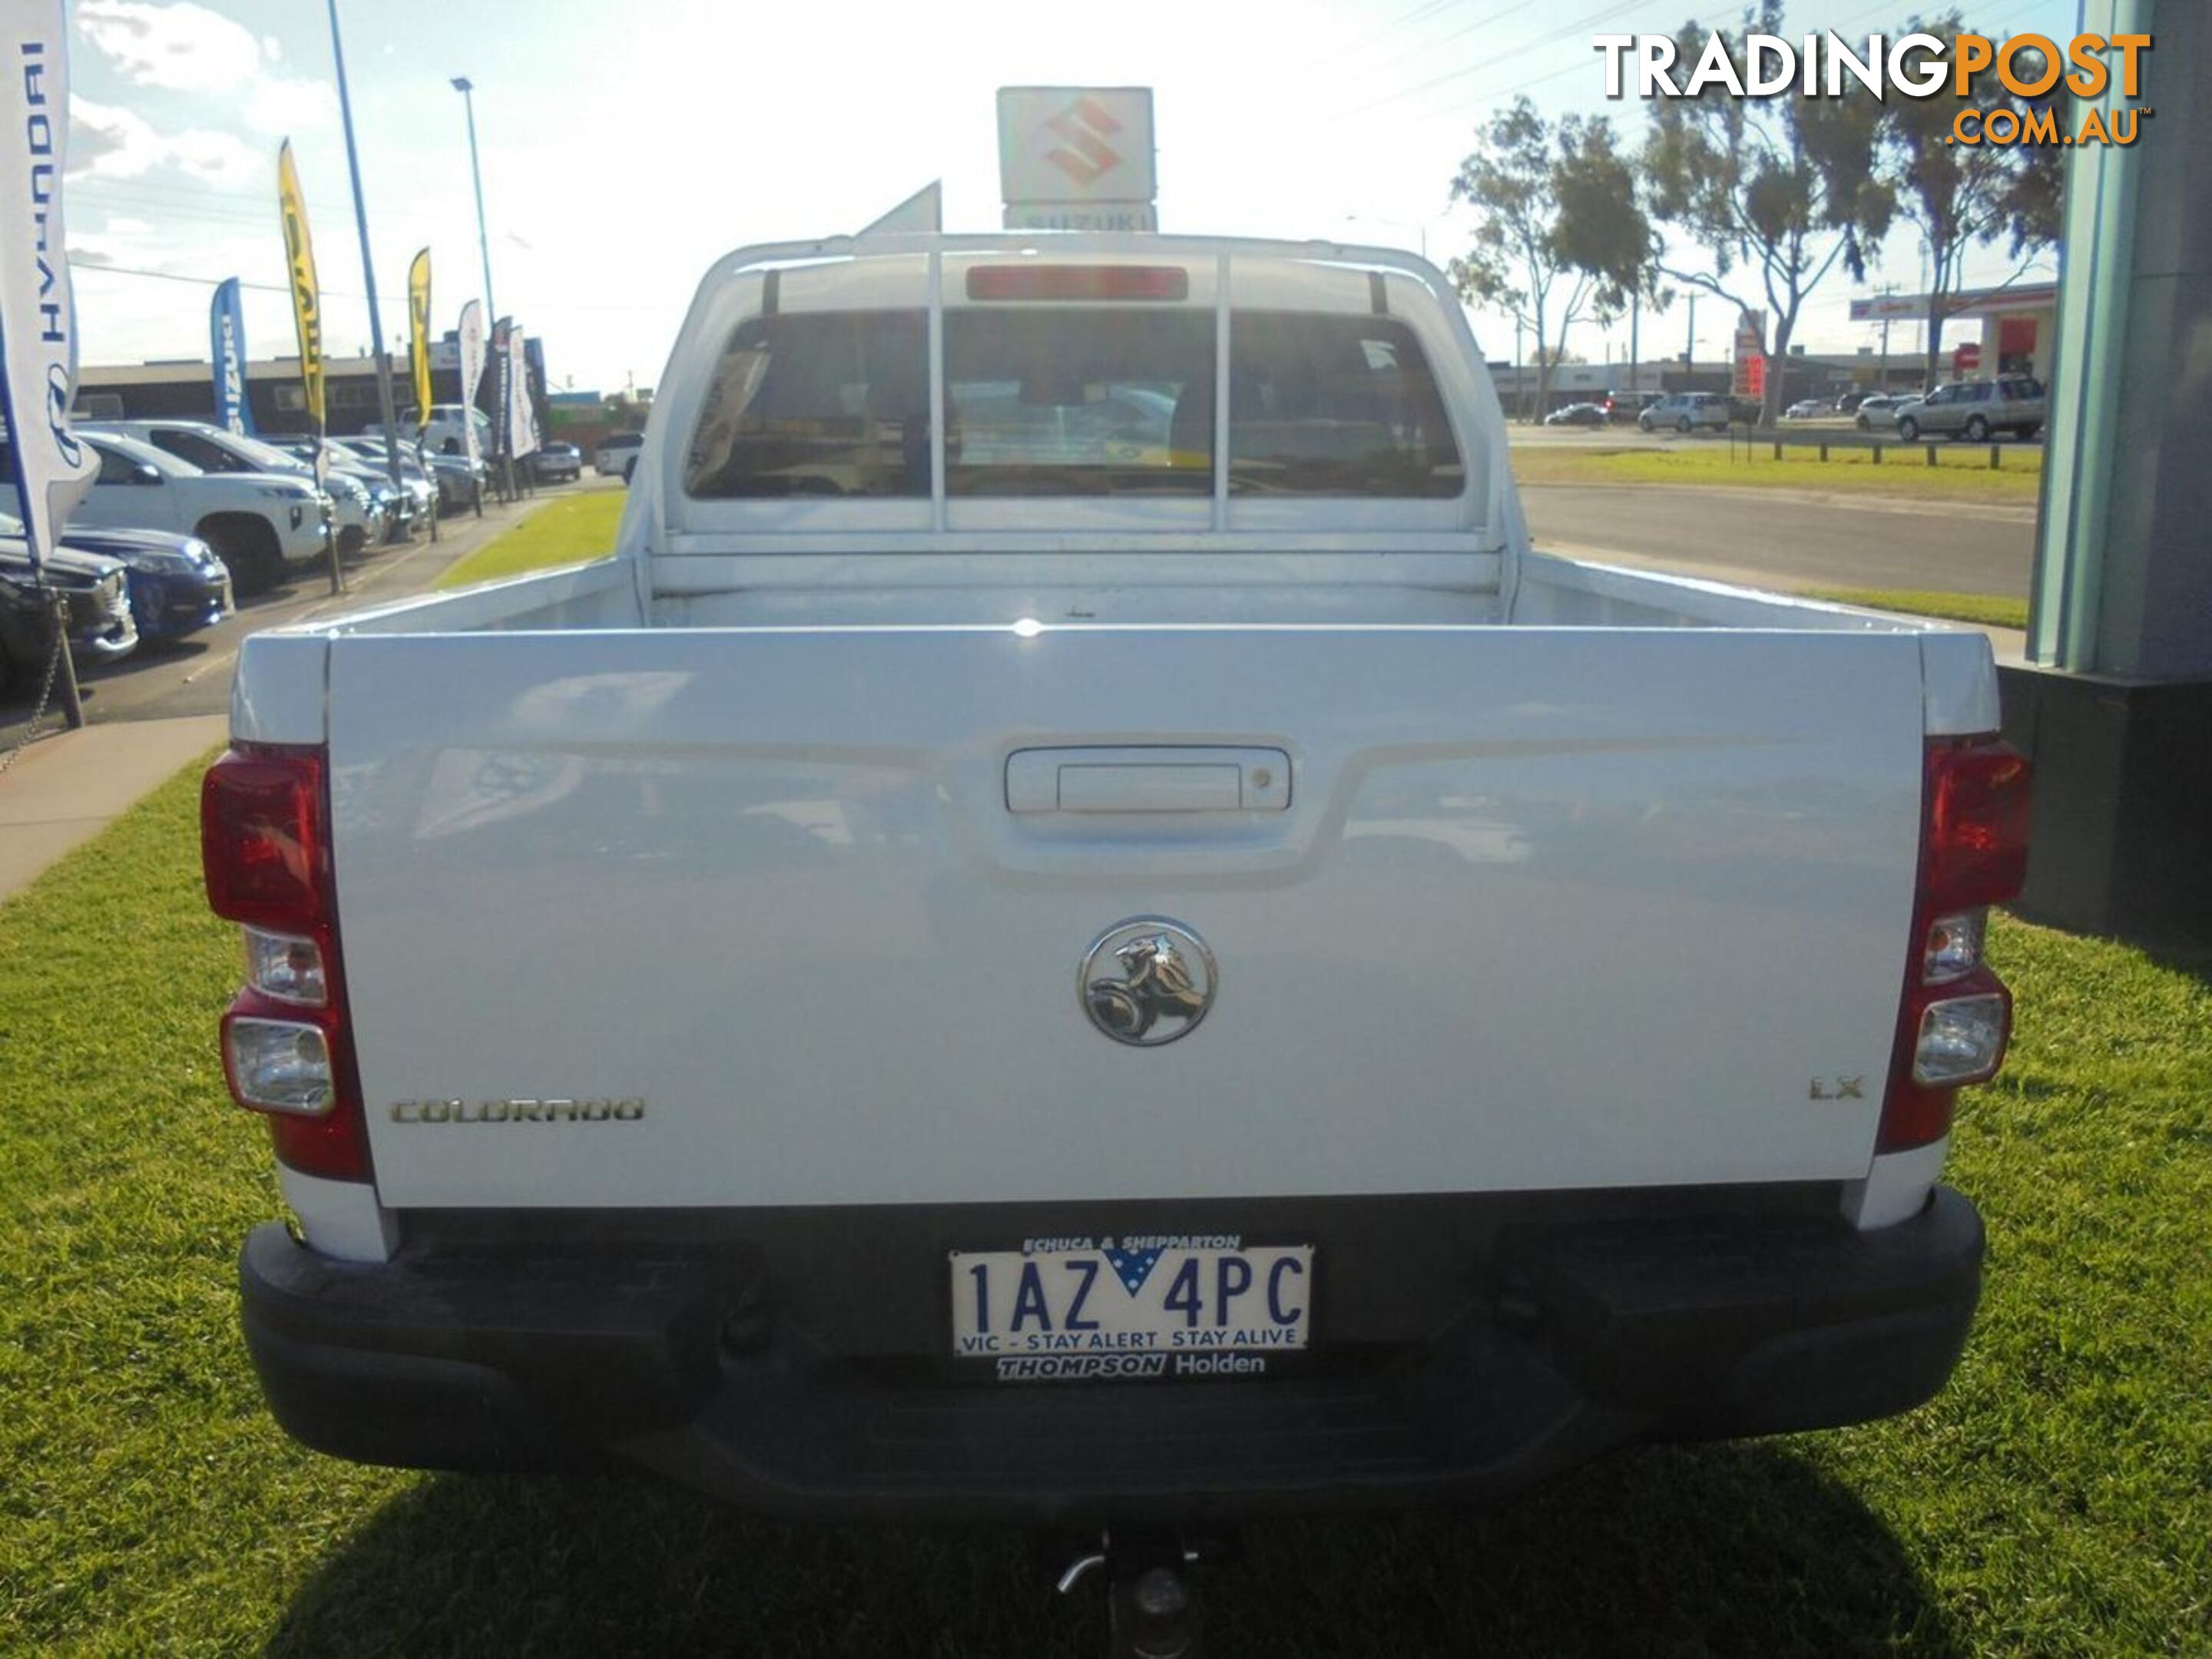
{"points": [[1961, 197], [1558, 235], [1778, 191]]}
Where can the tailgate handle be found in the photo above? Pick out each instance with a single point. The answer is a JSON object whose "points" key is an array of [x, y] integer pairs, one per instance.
{"points": [[1152, 779]]}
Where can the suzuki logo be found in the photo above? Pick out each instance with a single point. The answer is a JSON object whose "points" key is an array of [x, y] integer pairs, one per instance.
{"points": [[1087, 158]]}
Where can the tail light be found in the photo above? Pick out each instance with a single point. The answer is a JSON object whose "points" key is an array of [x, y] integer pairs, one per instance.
{"points": [[287, 1053], [1955, 1016], [1077, 282]]}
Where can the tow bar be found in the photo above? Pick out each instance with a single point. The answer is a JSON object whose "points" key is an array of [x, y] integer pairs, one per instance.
{"points": [[1152, 1607]]}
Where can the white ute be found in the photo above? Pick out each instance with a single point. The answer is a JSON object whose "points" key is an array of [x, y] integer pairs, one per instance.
{"points": [[262, 524], [1042, 943]]}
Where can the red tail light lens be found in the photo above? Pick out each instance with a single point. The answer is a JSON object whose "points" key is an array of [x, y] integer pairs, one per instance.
{"points": [[261, 838], [1955, 1016], [1077, 282], [1977, 825], [288, 1050]]}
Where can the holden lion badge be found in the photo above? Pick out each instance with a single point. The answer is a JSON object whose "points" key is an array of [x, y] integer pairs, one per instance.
{"points": [[1147, 980]]}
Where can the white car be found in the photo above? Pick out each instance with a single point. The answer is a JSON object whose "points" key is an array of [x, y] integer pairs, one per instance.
{"points": [[359, 513], [1879, 412], [616, 454], [997, 961], [262, 524]]}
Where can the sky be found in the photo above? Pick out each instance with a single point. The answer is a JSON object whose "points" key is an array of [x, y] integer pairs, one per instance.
{"points": [[627, 143]]}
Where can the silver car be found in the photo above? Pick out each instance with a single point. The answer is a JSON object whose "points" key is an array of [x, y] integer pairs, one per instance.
{"points": [[1977, 410], [1686, 411]]}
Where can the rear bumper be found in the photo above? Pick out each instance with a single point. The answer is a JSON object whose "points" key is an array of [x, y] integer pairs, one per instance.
{"points": [[1569, 1339]]}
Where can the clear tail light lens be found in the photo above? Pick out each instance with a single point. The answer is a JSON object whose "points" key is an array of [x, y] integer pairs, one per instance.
{"points": [[288, 969], [1962, 1040], [278, 1065], [1954, 947]]}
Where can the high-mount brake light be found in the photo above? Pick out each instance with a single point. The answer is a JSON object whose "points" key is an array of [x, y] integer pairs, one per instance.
{"points": [[1955, 1016], [1077, 282], [287, 1048]]}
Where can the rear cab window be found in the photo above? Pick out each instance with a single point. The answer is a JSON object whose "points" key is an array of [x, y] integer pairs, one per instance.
{"points": [[1073, 382]]}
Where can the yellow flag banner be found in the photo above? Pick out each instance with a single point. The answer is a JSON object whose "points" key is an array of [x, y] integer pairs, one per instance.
{"points": [[306, 297], [418, 323]]}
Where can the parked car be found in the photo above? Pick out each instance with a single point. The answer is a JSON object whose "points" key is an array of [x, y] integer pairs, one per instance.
{"points": [[428, 491], [1849, 402], [395, 508], [261, 525], [563, 462], [1977, 410], [1687, 411], [1577, 415], [358, 516], [176, 583], [101, 629], [616, 454], [1808, 409], [747, 1007], [1878, 411]]}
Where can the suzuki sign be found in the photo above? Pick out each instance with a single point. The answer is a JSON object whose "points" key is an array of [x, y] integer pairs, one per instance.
{"points": [[1076, 158]]}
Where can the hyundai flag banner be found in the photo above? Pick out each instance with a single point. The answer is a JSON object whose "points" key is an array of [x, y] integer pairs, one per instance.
{"points": [[227, 349], [51, 469], [471, 341]]}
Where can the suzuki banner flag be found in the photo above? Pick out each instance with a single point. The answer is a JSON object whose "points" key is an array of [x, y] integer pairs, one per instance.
{"points": [[50, 468], [306, 296], [471, 342], [227, 351], [418, 334]]}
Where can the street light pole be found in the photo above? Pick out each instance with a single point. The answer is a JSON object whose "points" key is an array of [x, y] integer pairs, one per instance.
{"points": [[368, 267], [467, 88]]}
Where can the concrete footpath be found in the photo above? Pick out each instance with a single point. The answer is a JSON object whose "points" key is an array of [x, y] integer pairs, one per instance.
{"points": [[63, 790]]}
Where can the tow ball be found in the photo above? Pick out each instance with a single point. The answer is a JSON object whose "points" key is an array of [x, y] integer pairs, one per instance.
{"points": [[1153, 1609]]}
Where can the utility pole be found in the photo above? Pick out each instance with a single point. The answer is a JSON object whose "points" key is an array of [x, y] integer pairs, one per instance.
{"points": [[1635, 353], [368, 268], [1690, 346]]}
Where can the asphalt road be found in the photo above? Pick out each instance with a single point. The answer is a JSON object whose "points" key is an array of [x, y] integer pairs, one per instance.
{"points": [[1781, 539], [192, 676]]}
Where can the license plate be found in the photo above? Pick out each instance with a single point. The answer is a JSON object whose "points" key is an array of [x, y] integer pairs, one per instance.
{"points": [[1162, 1305]]}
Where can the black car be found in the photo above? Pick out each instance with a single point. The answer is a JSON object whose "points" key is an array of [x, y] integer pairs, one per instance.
{"points": [[99, 625], [1577, 415]]}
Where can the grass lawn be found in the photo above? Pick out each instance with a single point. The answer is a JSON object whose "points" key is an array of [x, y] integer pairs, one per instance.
{"points": [[1983, 610], [1962, 472], [2055, 1499], [567, 532]]}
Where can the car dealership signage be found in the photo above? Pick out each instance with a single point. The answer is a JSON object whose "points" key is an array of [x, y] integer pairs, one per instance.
{"points": [[1077, 158]]}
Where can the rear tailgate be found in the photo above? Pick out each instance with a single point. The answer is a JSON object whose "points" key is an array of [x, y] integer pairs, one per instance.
{"points": [[1546, 908]]}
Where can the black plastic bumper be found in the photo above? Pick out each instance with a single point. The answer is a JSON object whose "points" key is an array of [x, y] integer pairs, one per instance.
{"points": [[1532, 1344]]}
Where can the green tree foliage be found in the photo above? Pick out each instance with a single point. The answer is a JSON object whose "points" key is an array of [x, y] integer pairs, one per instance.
{"points": [[1961, 197], [1558, 233], [1777, 192]]}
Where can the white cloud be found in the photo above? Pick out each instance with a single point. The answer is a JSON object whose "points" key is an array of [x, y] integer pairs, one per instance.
{"points": [[278, 104], [220, 159], [108, 142], [181, 46], [271, 47]]}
